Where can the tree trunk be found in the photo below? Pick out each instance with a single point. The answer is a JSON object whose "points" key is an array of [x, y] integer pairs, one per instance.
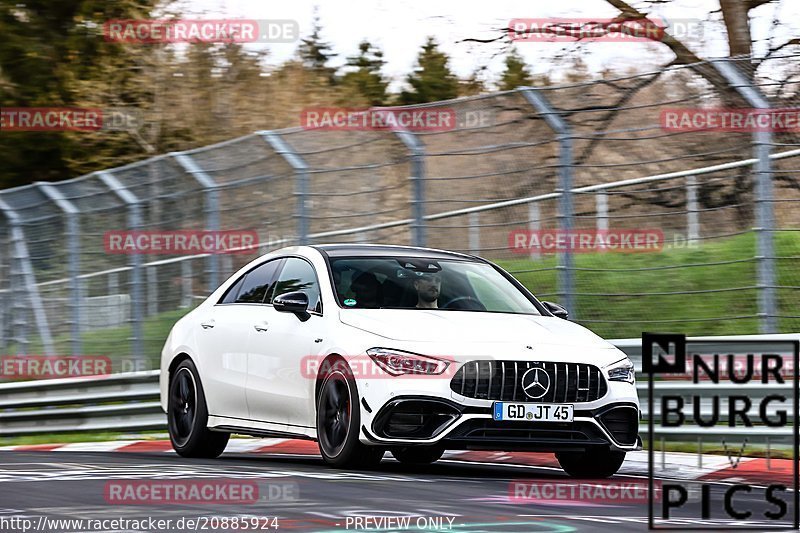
{"points": [[737, 22]]}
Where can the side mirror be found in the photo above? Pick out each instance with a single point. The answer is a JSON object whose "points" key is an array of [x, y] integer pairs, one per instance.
{"points": [[557, 310], [292, 302]]}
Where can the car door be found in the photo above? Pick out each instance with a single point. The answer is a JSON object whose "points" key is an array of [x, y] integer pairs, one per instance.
{"points": [[278, 391], [222, 336]]}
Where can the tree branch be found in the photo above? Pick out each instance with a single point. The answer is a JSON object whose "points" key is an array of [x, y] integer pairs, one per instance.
{"points": [[683, 55], [791, 42]]}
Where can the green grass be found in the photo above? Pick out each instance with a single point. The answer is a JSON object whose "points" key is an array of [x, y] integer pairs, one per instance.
{"points": [[116, 344], [610, 290]]}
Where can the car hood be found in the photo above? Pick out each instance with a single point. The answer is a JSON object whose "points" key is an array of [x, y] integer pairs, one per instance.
{"points": [[471, 327]]}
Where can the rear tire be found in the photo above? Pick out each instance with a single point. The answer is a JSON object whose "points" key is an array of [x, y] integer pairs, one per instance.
{"points": [[187, 416], [418, 455], [339, 421], [593, 464]]}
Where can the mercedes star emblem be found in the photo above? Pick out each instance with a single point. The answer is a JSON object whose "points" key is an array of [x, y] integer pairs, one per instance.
{"points": [[535, 382]]}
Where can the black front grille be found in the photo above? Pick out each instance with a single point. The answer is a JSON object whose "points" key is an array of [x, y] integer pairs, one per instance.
{"points": [[502, 381]]}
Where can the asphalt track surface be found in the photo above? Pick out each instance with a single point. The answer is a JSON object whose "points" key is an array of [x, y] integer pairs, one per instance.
{"points": [[70, 485]]}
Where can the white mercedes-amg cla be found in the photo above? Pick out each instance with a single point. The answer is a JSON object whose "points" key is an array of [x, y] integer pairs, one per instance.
{"points": [[372, 348]]}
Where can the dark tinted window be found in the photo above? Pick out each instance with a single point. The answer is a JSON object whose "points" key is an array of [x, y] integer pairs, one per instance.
{"points": [[298, 275], [258, 284], [411, 283], [232, 292]]}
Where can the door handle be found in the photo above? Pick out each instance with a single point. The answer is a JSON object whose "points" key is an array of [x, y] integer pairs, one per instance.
{"points": [[208, 324], [261, 327]]}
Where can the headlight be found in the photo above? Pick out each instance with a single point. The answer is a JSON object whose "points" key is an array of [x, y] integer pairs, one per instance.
{"points": [[397, 363], [622, 370]]}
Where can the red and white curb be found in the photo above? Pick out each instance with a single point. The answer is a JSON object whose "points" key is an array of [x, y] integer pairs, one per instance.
{"points": [[676, 465]]}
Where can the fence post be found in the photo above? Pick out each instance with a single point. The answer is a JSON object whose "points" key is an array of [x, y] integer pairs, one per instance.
{"points": [[692, 218], [298, 164], [134, 223], [76, 299], [601, 200], [765, 218], [23, 261], [417, 149], [534, 224], [83, 297], [186, 284], [211, 197], [561, 128], [17, 309]]}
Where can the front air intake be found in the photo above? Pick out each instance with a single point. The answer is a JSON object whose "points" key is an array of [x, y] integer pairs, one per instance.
{"points": [[623, 423], [413, 419]]}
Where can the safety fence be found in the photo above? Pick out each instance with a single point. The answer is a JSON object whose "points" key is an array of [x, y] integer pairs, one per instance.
{"points": [[593, 156]]}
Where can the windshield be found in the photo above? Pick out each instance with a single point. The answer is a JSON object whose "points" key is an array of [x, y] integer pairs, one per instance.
{"points": [[421, 283]]}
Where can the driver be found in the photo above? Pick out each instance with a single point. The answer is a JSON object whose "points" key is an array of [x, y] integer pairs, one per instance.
{"points": [[428, 285]]}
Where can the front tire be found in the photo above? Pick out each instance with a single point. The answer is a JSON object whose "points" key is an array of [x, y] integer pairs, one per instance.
{"points": [[418, 455], [339, 421], [593, 464], [187, 416]]}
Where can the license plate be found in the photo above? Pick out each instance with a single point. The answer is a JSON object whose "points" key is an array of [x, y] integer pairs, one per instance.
{"points": [[533, 412]]}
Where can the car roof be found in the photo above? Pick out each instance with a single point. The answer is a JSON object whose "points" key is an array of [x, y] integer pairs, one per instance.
{"points": [[384, 250]]}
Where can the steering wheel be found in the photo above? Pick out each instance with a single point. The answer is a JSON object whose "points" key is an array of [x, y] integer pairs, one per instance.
{"points": [[474, 304]]}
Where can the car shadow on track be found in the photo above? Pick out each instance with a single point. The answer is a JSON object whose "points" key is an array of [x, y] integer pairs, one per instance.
{"points": [[443, 468]]}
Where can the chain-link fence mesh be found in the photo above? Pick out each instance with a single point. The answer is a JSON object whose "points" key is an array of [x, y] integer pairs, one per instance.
{"points": [[499, 173]]}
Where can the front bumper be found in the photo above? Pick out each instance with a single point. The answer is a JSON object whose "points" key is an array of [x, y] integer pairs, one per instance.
{"points": [[426, 420], [456, 411]]}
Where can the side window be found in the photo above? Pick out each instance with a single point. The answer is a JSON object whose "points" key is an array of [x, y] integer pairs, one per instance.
{"points": [[258, 284], [232, 292], [298, 275]]}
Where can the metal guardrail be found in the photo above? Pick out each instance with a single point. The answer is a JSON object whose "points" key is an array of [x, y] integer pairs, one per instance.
{"points": [[119, 402], [130, 401]]}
